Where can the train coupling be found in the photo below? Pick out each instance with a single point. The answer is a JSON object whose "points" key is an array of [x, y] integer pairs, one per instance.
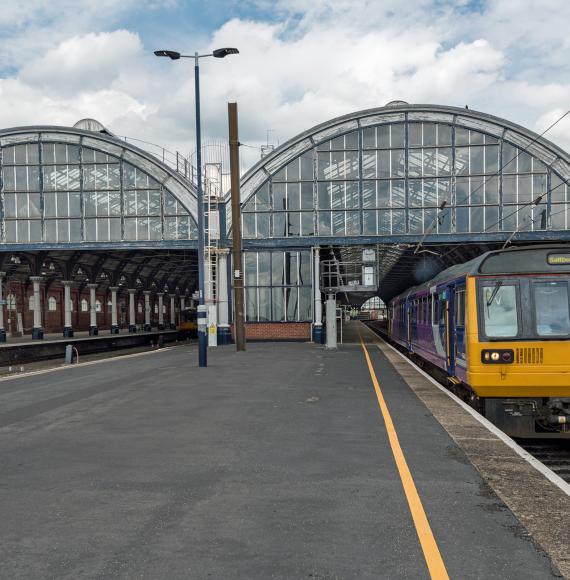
{"points": [[558, 420], [560, 412]]}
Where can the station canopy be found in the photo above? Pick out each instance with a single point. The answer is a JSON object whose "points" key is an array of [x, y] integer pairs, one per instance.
{"points": [[427, 186]]}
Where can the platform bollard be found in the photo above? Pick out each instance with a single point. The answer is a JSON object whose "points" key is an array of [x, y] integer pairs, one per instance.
{"points": [[331, 322]]}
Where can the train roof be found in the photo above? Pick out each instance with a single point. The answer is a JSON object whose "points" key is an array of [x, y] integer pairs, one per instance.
{"points": [[543, 259]]}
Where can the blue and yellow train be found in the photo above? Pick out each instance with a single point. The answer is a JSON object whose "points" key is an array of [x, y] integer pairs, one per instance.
{"points": [[498, 327]]}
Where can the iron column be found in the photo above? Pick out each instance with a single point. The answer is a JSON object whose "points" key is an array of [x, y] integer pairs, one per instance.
{"points": [[202, 335]]}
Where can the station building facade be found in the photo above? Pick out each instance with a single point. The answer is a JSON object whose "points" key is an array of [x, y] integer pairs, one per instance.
{"points": [[80, 207]]}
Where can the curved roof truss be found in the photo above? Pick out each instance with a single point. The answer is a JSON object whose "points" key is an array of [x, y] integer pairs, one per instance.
{"points": [[181, 188], [549, 153]]}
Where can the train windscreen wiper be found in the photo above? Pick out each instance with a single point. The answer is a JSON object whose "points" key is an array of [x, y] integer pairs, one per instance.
{"points": [[494, 293]]}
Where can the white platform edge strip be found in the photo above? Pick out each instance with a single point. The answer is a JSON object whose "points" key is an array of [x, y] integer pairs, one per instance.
{"points": [[540, 467], [84, 364]]}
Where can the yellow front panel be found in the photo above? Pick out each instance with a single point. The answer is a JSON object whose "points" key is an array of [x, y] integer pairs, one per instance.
{"points": [[540, 368]]}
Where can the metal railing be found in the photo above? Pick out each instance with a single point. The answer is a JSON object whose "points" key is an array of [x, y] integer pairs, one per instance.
{"points": [[172, 159], [354, 276]]}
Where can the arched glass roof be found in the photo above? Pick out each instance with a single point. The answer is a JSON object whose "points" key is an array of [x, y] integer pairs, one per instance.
{"points": [[66, 187], [405, 172]]}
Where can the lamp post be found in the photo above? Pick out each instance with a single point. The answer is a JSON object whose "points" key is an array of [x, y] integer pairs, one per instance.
{"points": [[202, 324]]}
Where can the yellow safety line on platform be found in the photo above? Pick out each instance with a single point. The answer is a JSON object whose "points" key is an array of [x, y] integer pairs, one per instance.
{"points": [[431, 552]]}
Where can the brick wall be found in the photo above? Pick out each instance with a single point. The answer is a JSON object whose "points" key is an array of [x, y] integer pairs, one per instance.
{"points": [[275, 331]]}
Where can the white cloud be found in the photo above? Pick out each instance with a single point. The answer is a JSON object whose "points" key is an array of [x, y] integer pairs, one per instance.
{"points": [[318, 60], [291, 85], [83, 63]]}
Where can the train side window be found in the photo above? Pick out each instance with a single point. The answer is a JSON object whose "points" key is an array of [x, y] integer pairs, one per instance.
{"points": [[460, 308], [441, 308], [420, 313], [432, 302]]}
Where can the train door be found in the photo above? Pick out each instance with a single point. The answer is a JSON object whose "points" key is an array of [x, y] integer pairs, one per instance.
{"points": [[459, 326], [408, 319], [445, 325]]}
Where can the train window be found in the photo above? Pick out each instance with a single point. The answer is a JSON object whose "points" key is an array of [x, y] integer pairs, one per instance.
{"points": [[460, 308], [442, 308], [500, 310], [551, 308], [432, 302]]}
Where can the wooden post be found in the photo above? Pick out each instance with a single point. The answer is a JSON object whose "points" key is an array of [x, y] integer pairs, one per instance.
{"points": [[237, 277]]}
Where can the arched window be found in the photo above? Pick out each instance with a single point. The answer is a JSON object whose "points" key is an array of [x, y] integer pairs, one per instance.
{"points": [[109, 185], [156, 308], [400, 174], [84, 305], [97, 306], [71, 304], [11, 302], [52, 304], [140, 307]]}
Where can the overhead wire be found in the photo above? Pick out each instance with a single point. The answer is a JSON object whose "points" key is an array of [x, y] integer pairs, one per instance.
{"points": [[534, 201]]}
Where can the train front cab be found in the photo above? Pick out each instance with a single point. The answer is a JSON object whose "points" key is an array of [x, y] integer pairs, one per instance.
{"points": [[518, 345]]}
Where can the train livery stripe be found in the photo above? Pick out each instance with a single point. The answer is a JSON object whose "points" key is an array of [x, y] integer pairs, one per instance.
{"points": [[429, 546]]}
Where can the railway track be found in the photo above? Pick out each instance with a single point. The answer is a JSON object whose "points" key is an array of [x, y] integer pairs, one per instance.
{"points": [[553, 454]]}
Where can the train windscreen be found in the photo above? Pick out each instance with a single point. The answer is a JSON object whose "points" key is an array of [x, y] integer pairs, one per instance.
{"points": [[500, 310], [551, 308]]}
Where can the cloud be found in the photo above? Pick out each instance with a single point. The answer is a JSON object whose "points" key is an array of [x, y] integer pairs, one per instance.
{"points": [[83, 63], [301, 62], [292, 84]]}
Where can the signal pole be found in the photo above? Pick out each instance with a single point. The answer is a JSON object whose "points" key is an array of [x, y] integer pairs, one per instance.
{"points": [[236, 227]]}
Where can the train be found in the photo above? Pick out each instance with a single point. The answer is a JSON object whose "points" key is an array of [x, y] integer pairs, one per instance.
{"points": [[498, 329], [188, 324]]}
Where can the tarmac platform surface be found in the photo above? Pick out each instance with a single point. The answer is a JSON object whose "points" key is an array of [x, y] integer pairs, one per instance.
{"points": [[273, 463]]}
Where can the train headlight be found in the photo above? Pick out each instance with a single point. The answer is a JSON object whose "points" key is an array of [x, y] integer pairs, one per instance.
{"points": [[497, 356]]}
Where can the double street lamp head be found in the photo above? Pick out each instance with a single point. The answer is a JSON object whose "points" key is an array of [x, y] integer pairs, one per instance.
{"points": [[169, 53], [218, 53], [223, 52]]}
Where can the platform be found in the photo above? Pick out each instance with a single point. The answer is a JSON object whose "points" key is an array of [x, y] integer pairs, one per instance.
{"points": [[78, 335], [273, 463], [23, 350]]}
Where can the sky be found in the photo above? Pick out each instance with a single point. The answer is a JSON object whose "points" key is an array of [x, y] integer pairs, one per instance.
{"points": [[301, 62]]}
